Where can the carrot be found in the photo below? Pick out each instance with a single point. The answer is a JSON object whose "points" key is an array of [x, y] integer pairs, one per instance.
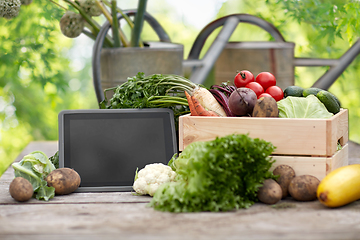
{"points": [[208, 101], [191, 104], [200, 110]]}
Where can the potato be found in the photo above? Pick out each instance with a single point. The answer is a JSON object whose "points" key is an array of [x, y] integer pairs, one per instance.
{"points": [[265, 107], [64, 180], [303, 188], [286, 173], [21, 189], [270, 192]]}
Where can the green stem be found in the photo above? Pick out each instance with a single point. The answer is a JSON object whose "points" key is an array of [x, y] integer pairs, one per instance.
{"points": [[178, 86], [139, 22], [126, 17], [115, 24], [110, 20], [128, 20], [60, 6], [89, 20], [165, 103], [167, 97], [89, 34]]}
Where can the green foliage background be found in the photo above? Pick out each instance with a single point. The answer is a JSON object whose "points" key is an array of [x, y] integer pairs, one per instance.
{"points": [[41, 71]]}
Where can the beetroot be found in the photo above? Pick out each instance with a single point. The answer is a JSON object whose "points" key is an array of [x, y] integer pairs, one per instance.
{"points": [[242, 101]]}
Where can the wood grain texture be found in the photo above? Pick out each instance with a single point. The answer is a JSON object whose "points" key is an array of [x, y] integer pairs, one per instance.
{"points": [[290, 136], [316, 166], [122, 215]]}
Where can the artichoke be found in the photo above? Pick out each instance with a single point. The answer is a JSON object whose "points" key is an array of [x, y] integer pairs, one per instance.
{"points": [[9, 8], [72, 24], [90, 7]]}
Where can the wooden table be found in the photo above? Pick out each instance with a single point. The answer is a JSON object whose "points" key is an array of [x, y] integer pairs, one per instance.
{"points": [[121, 215]]}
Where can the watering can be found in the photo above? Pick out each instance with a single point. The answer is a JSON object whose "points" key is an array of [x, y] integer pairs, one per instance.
{"points": [[223, 56], [112, 66], [276, 57]]}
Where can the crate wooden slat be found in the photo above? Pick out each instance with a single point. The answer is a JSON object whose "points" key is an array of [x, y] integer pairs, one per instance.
{"points": [[290, 136], [316, 166]]}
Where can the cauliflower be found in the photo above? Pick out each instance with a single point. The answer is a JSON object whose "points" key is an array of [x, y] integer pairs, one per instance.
{"points": [[151, 177]]}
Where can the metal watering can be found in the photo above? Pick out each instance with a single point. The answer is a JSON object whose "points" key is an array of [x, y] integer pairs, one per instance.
{"points": [[276, 57], [226, 57]]}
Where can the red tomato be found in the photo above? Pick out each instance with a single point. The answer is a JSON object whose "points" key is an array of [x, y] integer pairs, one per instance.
{"points": [[265, 95], [266, 79], [243, 78], [276, 92], [256, 87]]}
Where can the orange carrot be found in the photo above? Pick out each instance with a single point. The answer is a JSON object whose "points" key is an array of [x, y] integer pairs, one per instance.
{"points": [[191, 104], [201, 111], [208, 101]]}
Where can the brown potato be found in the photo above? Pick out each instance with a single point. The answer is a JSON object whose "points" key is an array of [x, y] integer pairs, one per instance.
{"points": [[270, 192], [286, 173], [64, 180], [265, 107], [21, 189], [303, 188]]}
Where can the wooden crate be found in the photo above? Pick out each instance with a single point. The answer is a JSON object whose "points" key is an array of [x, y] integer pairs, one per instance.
{"points": [[317, 166], [290, 136], [309, 145]]}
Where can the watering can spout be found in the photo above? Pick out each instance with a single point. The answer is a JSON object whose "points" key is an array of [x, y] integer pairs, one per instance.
{"points": [[329, 77]]}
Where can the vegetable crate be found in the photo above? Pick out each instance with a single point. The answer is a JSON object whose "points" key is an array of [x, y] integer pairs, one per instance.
{"points": [[310, 146]]}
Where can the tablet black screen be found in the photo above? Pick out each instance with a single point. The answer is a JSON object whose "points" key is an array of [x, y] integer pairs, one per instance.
{"points": [[106, 147]]}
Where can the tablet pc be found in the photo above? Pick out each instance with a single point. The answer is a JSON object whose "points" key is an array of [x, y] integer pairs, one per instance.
{"points": [[106, 146]]}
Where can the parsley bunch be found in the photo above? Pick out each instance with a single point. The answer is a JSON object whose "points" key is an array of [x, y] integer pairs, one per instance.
{"points": [[219, 175], [153, 91]]}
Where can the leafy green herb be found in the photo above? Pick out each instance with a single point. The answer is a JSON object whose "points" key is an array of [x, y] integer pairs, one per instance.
{"points": [[154, 91], [218, 175], [35, 167]]}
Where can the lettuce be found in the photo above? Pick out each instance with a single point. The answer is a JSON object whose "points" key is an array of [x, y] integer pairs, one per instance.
{"points": [[219, 175], [302, 107], [35, 167]]}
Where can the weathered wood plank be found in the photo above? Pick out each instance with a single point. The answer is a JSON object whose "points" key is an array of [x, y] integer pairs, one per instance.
{"points": [[308, 220], [121, 215]]}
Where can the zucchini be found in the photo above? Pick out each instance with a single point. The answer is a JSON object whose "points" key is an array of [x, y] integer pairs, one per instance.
{"points": [[340, 187]]}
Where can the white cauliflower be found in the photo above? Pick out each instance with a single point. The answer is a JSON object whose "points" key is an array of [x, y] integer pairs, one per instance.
{"points": [[151, 177]]}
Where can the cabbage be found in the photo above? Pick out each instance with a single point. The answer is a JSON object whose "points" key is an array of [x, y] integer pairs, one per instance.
{"points": [[302, 107], [35, 167]]}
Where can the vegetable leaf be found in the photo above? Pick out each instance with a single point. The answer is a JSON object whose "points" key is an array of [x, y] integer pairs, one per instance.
{"points": [[153, 91], [35, 167], [218, 175], [55, 159], [300, 107]]}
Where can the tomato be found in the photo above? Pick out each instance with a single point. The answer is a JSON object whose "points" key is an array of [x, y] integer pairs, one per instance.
{"points": [[276, 92], [266, 79], [265, 95], [256, 87], [243, 78]]}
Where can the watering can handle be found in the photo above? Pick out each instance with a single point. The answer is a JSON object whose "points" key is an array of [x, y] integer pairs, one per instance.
{"points": [[337, 66], [246, 18], [163, 37], [201, 68]]}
